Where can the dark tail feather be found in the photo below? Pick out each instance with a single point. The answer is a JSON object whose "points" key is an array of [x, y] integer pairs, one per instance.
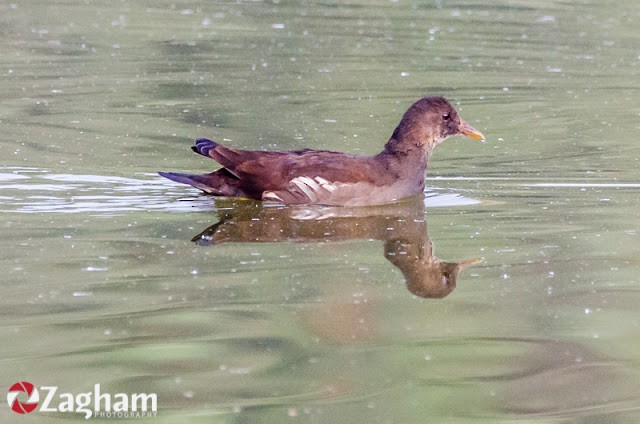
{"points": [[203, 146], [218, 183], [179, 178]]}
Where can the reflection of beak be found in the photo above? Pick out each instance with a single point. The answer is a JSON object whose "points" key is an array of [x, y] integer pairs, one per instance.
{"points": [[464, 264], [469, 131]]}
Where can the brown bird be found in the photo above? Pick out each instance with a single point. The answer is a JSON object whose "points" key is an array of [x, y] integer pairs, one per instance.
{"points": [[324, 177]]}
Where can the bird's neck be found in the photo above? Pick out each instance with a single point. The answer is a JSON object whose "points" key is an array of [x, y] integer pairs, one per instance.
{"points": [[407, 153], [405, 160]]}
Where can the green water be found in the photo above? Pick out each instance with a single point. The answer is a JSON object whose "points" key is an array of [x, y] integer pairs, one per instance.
{"points": [[314, 314]]}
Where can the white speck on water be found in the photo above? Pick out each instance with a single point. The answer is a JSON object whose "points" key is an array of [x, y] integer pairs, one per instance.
{"points": [[404, 74], [427, 357], [608, 43], [505, 88], [107, 332], [330, 121], [546, 19], [188, 394], [194, 272], [554, 69], [277, 26], [206, 22], [186, 12], [505, 276], [587, 311], [95, 269], [82, 294], [119, 22]]}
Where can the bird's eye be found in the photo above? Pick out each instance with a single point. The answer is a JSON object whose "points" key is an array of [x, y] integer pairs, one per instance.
{"points": [[446, 116]]}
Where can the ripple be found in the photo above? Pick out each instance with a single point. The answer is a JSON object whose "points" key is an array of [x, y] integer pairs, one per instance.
{"points": [[44, 192], [587, 185], [40, 191]]}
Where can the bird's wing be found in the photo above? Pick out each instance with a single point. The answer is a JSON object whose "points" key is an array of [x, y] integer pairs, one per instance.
{"points": [[328, 178], [300, 176], [232, 159]]}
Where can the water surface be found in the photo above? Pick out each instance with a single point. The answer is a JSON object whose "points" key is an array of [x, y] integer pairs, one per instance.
{"points": [[113, 275]]}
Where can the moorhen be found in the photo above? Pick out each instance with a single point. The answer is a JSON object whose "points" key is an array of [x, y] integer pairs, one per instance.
{"points": [[324, 177]]}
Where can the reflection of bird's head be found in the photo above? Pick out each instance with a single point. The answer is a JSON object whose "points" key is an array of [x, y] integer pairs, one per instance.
{"points": [[435, 279]]}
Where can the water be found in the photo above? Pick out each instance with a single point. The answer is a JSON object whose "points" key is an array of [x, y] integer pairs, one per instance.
{"points": [[320, 314]]}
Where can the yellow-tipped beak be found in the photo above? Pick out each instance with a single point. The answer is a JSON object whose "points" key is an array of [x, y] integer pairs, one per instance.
{"points": [[468, 263], [469, 131]]}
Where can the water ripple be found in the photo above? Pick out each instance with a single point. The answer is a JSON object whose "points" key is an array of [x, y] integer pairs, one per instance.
{"points": [[44, 192], [32, 190]]}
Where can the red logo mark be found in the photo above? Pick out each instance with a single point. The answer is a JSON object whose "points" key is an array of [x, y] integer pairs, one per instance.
{"points": [[23, 407]]}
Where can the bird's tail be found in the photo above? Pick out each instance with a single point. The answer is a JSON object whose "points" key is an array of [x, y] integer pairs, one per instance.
{"points": [[203, 146], [218, 183]]}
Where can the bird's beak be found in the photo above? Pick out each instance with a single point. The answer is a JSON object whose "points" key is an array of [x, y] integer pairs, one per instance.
{"points": [[465, 264], [469, 131]]}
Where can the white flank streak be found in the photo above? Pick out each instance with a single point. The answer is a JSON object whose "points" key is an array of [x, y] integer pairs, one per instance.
{"points": [[270, 195], [307, 185], [326, 184], [310, 182]]}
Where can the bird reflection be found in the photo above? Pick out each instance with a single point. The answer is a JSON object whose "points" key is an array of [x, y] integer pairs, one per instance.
{"points": [[402, 228]]}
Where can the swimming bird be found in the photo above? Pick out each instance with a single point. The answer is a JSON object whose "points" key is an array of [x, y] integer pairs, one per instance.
{"points": [[325, 177]]}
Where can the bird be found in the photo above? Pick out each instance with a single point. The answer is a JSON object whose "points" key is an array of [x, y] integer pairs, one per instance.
{"points": [[323, 177]]}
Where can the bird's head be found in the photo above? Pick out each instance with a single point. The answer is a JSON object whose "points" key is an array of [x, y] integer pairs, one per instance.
{"points": [[430, 121]]}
